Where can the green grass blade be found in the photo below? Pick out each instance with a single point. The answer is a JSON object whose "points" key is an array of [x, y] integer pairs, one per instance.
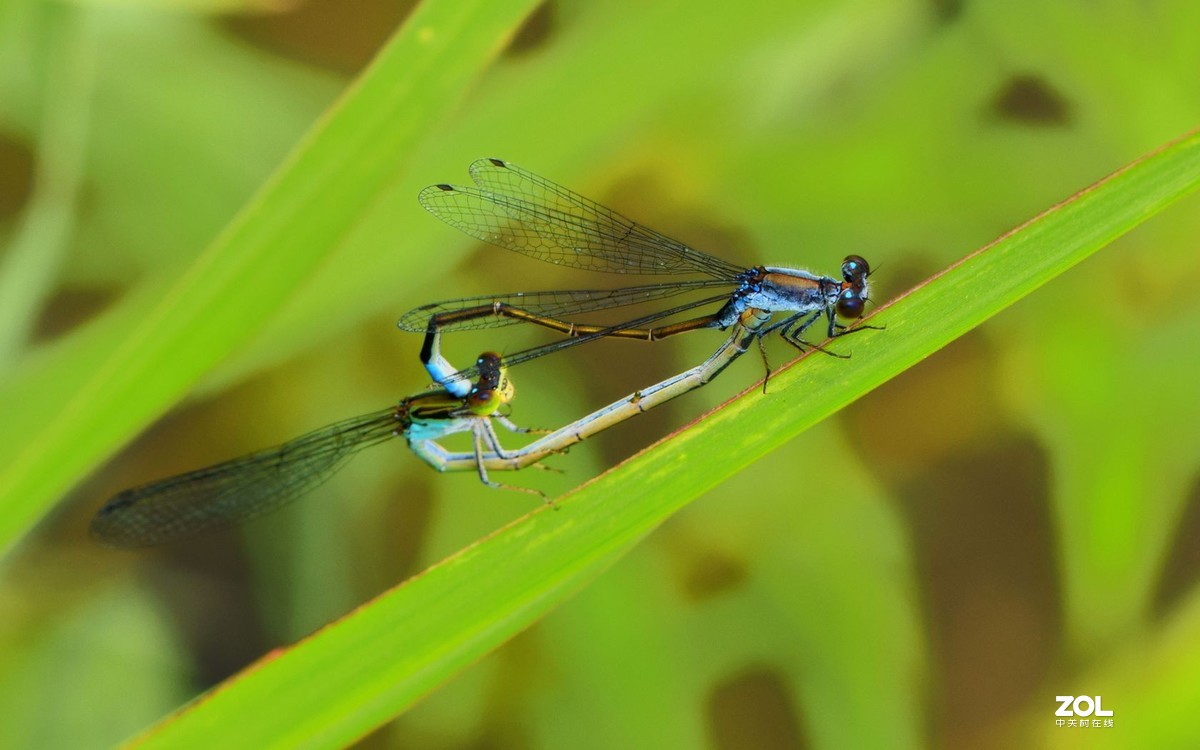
{"points": [[128, 368], [377, 661], [30, 264]]}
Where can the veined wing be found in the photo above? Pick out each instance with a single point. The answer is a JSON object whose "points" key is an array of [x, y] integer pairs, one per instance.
{"points": [[231, 492], [525, 355], [515, 209], [553, 304]]}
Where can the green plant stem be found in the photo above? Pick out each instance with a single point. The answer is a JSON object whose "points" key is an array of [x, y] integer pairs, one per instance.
{"points": [[377, 661]]}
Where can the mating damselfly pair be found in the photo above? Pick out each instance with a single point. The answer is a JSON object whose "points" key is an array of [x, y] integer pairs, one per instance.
{"points": [[512, 208]]}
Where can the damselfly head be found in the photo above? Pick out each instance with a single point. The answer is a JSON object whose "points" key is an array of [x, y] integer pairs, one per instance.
{"points": [[491, 370], [853, 297], [850, 304], [485, 402], [855, 270], [494, 389], [482, 401]]}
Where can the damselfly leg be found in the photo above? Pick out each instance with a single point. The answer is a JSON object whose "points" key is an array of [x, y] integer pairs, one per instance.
{"points": [[515, 209]]}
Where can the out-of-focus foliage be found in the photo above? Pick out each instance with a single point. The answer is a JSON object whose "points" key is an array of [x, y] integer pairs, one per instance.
{"points": [[1022, 506]]}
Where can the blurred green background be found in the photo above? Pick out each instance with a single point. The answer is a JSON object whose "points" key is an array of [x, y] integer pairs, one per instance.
{"points": [[1014, 519]]}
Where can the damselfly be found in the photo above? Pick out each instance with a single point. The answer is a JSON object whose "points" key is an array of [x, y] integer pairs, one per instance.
{"points": [[234, 491], [515, 209], [743, 333]]}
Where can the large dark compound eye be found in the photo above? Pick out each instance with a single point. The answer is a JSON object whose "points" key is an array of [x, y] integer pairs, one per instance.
{"points": [[483, 400], [488, 365], [855, 268], [850, 304]]}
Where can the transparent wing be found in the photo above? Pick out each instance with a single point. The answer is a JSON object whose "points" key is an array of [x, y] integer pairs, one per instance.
{"points": [[515, 209], [525, 355], [557, 304], [234, 491]]}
